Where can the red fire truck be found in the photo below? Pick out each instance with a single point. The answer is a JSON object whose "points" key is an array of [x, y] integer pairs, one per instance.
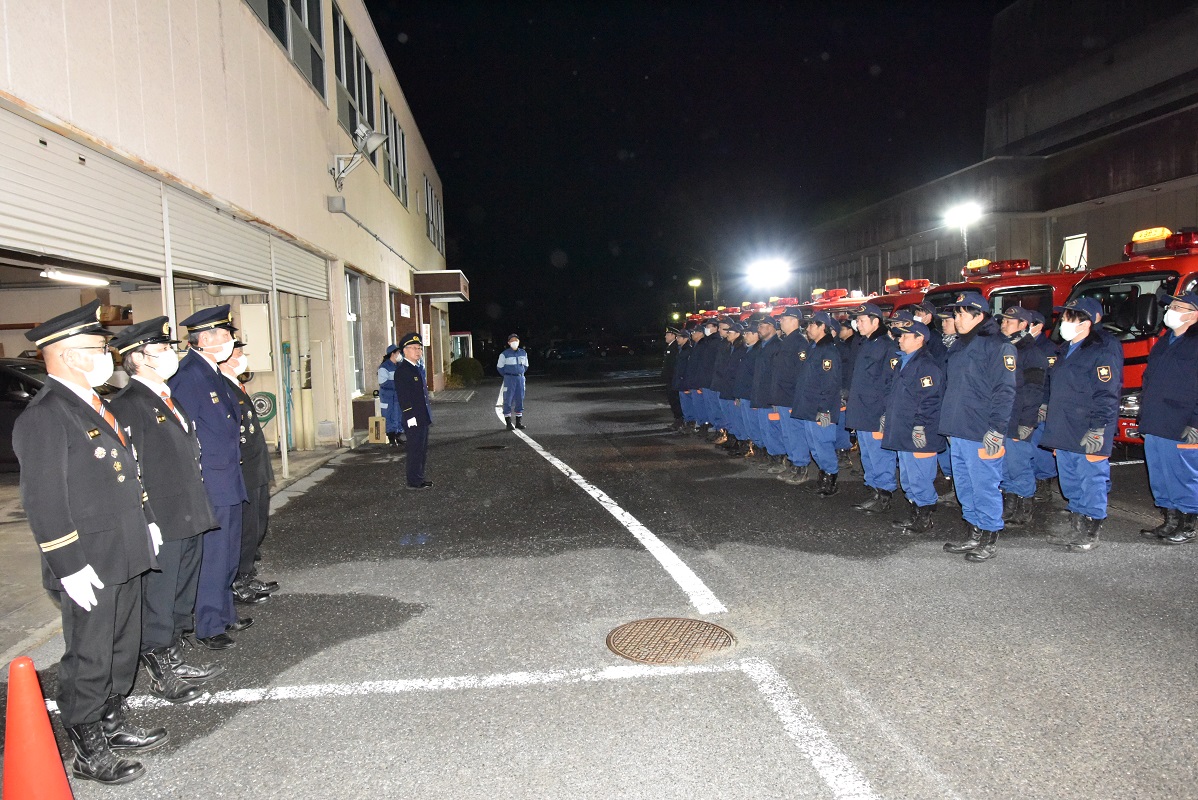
{"points": [[1010, 283]]}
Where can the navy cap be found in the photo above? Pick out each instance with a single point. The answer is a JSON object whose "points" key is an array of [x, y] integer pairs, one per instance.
{"points": [[515, 336], [735, 327], [944, 312], [824, 318], [793, 311], [391, 348], [76, 322], [768, 320], [694, 328], [927, 307], [911, 326], [208, 318], [1017, 312], [152, 331], [972, 300], [1035, 316], [1083, 305], [867, 308], [410, 338], [674, 330], [904, 313], [1189, 298]]}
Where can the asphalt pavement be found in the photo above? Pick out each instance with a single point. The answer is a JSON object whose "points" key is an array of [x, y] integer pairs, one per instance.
{"points": [[451, 642]]}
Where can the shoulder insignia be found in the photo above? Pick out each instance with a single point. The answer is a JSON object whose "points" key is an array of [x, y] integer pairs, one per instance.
{"points": [[1104, 374], [894, 362], [93, 433], [1052, 361], [802, 355], [827, 365], [1009, 363], [926, 381]]}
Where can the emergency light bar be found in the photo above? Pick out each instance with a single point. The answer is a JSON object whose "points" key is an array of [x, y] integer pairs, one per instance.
{"points": [[974, 267], [835, 294], [1161, 241], [1012, 265]]}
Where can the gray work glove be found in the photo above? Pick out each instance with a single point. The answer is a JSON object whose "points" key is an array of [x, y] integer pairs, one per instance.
{"points": [[993, 441], [1092, 441], [1025, 432], [1190, 435], [823, 419], [882, 424], [919, 437], [1042, 414]]}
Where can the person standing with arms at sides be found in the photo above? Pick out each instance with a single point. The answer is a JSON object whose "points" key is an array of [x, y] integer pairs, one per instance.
{"points": [[668, 364], [1045, 462], [411, 391], [513, 363], [169, 455], [89, 515], [782, 391], [725, 385], [742, 391], [387, 395], [206, 397], [681, 381], [1019, 464], [817, 399], [948, 335], [1169, 422], [866, 406]]}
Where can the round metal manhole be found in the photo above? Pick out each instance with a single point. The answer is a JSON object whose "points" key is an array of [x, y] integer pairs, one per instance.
{"points": [[492, 447], [668, 640]]}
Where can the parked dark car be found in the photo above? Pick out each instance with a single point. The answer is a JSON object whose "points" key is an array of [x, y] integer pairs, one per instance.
{"points": [[570, 348]]}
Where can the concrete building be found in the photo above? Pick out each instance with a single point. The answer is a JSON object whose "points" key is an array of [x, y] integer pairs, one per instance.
{"points": [[180, 152], [1090, 136]]}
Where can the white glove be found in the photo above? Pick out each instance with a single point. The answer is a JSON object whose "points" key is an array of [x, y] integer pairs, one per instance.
{"points": [[412, 422], [78, 587], [155, 537]]}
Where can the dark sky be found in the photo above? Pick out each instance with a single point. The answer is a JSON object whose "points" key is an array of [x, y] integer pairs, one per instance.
{"points": [[597, 155]]}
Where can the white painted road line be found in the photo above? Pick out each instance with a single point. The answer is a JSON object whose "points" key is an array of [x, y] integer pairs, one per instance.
{"points": [[1126, 463], [702, 598], [833, 766]]}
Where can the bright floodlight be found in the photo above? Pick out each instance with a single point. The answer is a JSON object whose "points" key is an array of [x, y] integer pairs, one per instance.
{"points": [[767, 272], [963, 216], [694, 283]]}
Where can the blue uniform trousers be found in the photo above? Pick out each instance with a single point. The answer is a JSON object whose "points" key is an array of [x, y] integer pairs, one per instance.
{"points": [[715, 409], [917, 471], [976, 480], [794, 438], [749, 420], [730, 417], [703, 405], [1019, 467], [513, 395], [822, 443], [218, 568], [878, 464], [945, 459], [1045, 461], [771, 430], [1085, 482], [416, 453], [687, 399], [1172, 473], [843, 442]]}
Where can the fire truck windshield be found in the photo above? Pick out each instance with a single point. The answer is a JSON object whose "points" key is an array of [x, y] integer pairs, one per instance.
{"points": [[1131, 308]]}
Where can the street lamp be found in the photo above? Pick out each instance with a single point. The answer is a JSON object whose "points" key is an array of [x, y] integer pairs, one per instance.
{"points": [[675, 316], [962, 217], [766, 273], [695, 283]]}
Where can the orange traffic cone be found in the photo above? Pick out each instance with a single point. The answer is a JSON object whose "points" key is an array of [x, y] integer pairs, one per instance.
{"points": [[33, 768]]}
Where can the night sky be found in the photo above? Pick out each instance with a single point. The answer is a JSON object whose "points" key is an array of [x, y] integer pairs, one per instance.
{"points": [[596, 156]]}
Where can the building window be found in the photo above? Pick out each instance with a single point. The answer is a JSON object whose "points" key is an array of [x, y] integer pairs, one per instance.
{"points": [[1075, 255], [395, 162], [434, 219], [355, 81], [296, 25], [353, 321]]}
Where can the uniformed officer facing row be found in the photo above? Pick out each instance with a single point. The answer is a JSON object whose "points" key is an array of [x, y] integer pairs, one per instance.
{"points": [[411, 392]]}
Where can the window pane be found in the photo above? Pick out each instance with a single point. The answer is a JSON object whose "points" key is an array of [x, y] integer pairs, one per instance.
{"points": [[338, 59], [314, 21], [277, 20], [317, 70], [298, 5], [351, 67]]}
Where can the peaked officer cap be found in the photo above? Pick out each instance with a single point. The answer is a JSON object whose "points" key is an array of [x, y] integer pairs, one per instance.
{"points": [[208, 318], [1083, 305], [1018, 312], [410, 338], [77, 321], [1189, 298], [911, 326], [972, 300], [152, 331], [867, 308]]}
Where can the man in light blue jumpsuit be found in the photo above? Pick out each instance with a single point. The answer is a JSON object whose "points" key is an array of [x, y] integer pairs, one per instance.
{"points": [[513, 363], [387, 403]]}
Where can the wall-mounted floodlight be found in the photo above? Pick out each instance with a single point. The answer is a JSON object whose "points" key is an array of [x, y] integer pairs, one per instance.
{"points": [[766, 273], [366, 142], [962, 217], [70, 277]]}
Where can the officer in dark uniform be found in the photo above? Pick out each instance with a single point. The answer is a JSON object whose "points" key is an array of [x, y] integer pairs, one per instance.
{"points": [[681, 362], [784, 372], [925, 312], [386, 377], [1083, 413], [866, 405], [1169, 422], [912, 420], [725, 384], [1045, 462], [89, 514], [743, 391], [206, 397], [817, 399], [769, 424], [688, 367], [668, 363], [702, 371], [411, 389], [258, 472], [169, 454], [848, 342], [1019, 463], [719, 423], [978, 395]]}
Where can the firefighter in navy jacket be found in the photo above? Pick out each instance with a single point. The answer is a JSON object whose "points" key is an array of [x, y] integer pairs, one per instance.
{"points": [[1083, 413], [87, 509], [978, 395], [911, 425], [411, 391], [386, 376], [763, 401], [1046, 463], [788, 358], [817, 399], [669, 365], [868, 390], [1169, 422], [206, 397], [688, 367], [512, 364], [743, 391], [1019, 464]]}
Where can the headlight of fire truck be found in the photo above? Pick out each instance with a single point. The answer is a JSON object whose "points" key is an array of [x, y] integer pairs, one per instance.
{"points": [[1129, 405]]}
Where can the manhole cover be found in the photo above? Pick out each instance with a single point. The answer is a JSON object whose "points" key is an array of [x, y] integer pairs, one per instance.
{"points": [[668, 640], [492, 447]]}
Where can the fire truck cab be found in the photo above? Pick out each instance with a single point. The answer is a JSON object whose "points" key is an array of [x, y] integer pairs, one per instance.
{"points": [[900, 294], [1010, 283]]}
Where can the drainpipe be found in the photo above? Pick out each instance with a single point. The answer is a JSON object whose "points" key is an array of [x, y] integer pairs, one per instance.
{"points": [[304, 359], [296, 373]]}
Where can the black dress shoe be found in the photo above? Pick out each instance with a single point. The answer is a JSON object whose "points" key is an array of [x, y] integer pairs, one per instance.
{"points": [[263, 587], [240, 625], [221, 641], [245, 595], [424, 485]]}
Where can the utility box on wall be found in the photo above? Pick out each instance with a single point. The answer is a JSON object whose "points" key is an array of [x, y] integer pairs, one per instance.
{"points": [[253, 320]]}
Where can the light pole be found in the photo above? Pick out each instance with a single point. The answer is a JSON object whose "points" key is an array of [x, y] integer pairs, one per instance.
{"points": [[695, 283], [715, 285], [962, 217]]}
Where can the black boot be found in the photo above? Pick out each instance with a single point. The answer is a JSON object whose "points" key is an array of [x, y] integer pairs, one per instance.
{"points": [[879, 502], [827, 485], [520, 422], [923, 519], [1170, 526], [121, 735], [1089, 528], [986, 549], [975, 539], [508, 420], [1185, 533], [731, 444], [246, 595], [1017, 510], [767, 461], [747, 451], [1008, 506], [164, 683], [723, 437], [94, 759], [192, 673], [1072, 533], [909, 522], [798, 476], [779, 465]]}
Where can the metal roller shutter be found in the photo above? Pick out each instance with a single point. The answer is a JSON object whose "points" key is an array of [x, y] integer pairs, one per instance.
{"points": [[299, 272], [208, 243]]}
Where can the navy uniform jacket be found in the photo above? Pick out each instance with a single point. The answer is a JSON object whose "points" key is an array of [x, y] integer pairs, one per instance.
{"points": [[1031, 365], [763, 373], [681, 364], [1051, 351], [81, 490], [979, 386], [915, 398], [667, 365], [870, 382], [170, 461], [743, 386], [702, 363], [850, 348], [785, 369], [256, 468], [722, 349], [205, 395], [688, 365], [726, 369], [818, 387], [412, 394], [936, 348], [1085, 394], [1169, 403]]}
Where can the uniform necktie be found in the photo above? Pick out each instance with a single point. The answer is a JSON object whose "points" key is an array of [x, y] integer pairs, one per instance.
{"points": [[103, 411], [167, 399]]}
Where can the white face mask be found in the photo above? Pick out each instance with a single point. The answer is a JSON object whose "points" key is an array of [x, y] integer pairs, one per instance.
{"points": [[1069, 330], [239, 364], [165, 363], [1173, 318], [514, 344], [101, 370], [854, 324], [223, 353]]}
